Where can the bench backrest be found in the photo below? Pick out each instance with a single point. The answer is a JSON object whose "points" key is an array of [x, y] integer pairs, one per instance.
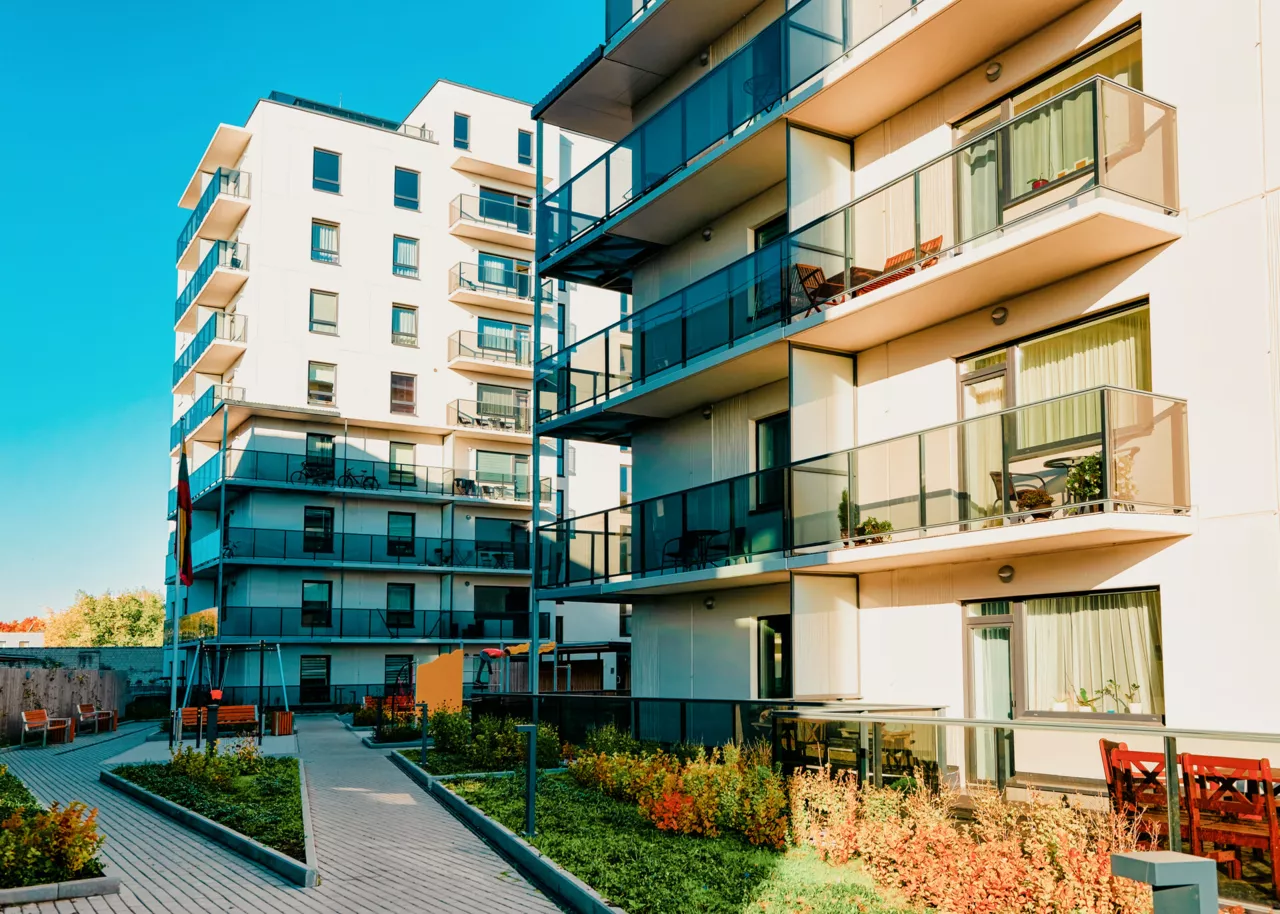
{"points": [[87, 709], [38, 716], [238, 714]]}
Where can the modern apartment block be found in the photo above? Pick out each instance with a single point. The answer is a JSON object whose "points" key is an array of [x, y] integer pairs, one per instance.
{"points": [[355, 327], [951, 369]]}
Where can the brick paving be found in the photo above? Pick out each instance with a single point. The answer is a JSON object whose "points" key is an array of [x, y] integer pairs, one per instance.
{"points": [[382, 843]]}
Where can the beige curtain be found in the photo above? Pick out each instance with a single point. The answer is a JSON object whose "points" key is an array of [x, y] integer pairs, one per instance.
{"points": [[1055, 141], [1075, 643], [983, 450]]}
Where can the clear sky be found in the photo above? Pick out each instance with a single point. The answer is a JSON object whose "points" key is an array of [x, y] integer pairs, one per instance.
{"points": [[105, 109]]}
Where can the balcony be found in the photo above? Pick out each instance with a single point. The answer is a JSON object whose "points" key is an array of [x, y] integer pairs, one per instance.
{"points": [[311, 624], [214, 350], [367, 478], [492, 221], [218, 279], [489, 420], [722, 141], [493, 353], [494, 287], [252, 546], [225, 150], [195, 421], [217, 213], [1100, 467], [1017, 208]]}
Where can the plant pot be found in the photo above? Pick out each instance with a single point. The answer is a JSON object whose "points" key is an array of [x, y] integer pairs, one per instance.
{"points": [[1059, 706], [1039, 183], [1135, 707], [1084, 709]]}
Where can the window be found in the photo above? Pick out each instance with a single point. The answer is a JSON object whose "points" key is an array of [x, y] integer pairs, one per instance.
{"points": [[317, 604], [324, 241], [505, 408], [401, 472], [404, 256], [503, 340], [502, 475], [318, 465], [400, 606], [326, 170], [324, 312], [771, 231], [322, 384], [404, 325], [570, 460], [1092, 652], [317, 530], [400, 529], [398, 673], [524, 147], [507, 273], [508, 209], [461, 131], [774, 645], [313, 679], [404, 394], [624, 620], [559, 629], [624, 484], [773, 453], [406, 189], [625, 361], [624, 304]]}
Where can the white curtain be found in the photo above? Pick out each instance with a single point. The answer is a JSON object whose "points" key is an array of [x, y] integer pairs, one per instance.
{"points": [[324, 238], [1086, 642], [406, 254], [979, 169], [992, 692]]}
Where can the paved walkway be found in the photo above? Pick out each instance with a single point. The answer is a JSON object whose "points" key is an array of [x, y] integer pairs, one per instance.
{"points": [[383, 844]]}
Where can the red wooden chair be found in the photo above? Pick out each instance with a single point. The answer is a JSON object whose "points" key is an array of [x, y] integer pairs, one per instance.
{"points": [[1107, 747], [893, 266], [1233, 804], [817, 288], [1142, 791]]}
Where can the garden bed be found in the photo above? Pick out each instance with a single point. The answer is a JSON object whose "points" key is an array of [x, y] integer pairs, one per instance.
{"points": [[616, 850], [258, 797]]}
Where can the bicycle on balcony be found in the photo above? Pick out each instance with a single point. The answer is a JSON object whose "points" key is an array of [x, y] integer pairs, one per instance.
{"points": [[314, 472], [364, 480]]}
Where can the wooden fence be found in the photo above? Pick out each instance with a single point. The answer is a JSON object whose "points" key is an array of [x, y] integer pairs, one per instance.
{"points": [[57, 691]]}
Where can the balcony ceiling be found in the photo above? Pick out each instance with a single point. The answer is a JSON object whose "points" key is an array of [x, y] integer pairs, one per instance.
{"points": [[598, 100], [224, 151]]}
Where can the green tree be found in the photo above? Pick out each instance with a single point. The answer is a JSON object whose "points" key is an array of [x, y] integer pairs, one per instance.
{"points": [[134, 618]]}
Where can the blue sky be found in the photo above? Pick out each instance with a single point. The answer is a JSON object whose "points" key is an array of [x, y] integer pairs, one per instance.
{"points": [[106, 108]]}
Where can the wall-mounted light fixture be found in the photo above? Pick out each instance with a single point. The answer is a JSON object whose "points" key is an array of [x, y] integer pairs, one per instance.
{"points": [[704, 56], [1005, 574], [709, 602], [993, 71], [707, 411], [999, 315], [707, 233]]}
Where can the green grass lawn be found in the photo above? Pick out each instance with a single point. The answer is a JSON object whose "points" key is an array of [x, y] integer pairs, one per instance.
{"points": [[609, 845], [266, 806]]}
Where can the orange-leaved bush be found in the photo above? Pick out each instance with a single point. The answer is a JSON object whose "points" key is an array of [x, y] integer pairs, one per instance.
{"points": [[41, 846]]}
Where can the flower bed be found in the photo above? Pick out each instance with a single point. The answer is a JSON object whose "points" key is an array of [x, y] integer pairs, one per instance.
{"points": [[463, 746], [235, 786], [39, 846]]}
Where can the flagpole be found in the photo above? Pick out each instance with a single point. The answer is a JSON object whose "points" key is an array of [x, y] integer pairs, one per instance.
{"points": [[181, 544]]}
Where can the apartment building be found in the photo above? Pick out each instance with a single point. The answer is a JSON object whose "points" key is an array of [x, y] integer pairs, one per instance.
{"points": [[354, 348], [950, 374]]}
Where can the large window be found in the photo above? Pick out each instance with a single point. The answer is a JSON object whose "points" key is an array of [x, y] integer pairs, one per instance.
{"points": [[510, 209], [509, 341], [400, 531], [317, 529], [507, 273], [406, 189], [317, 603], [404, 394], [404, 325], [318, 466], [313, 679], [773, 454], [524, 147], [324, 312], [322, 384], [1072, 654], [404, 256], [402, 472], [400, 606], [326, 171], [461, 131], [398, 673], [774, 667], [324, 241]]}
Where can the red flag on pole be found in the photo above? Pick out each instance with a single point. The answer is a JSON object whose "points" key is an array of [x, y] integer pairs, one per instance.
{"points": [[183, 552]]}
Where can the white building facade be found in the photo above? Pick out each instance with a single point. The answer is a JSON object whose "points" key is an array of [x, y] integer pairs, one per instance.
{"points": [[951, 370], [352, 386]]}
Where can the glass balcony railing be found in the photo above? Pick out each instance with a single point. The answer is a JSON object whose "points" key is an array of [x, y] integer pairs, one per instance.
{"points": [[493, 347], [204, 407], [786, 54], [250, 466], [227, 181], [245, 543], [499, 213], [490, 416], [1102, 450], [231, 255], [618, 13], [496, 281], [1097, 137], [220, 326], [303, 622]]}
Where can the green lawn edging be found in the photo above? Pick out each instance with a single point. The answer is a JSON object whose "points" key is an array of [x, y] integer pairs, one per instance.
{"points": [[295, 871]]}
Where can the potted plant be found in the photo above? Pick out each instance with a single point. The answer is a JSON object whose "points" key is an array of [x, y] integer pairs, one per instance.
{"points": [[1060, 702], [1037, 183], [1030, 499], [1087, 702], [1128, 701], [842, 512], [1084, 483], [872, 531]]}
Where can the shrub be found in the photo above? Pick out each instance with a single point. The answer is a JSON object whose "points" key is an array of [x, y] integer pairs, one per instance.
{"points": [[14, 794], [1013, 857], [451, 730], [57, 845], [610, 740], [496, 745], [399, 734], [218, 764]]}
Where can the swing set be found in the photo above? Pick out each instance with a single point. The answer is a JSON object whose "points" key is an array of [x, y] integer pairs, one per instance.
{"points": [[211, 663]]}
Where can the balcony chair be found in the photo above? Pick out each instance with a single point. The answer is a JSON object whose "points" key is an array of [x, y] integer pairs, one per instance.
{"points": [[681, 551], [1232, 802], [897, 267], [816, 288], [1142, 795], [1008, 485]]}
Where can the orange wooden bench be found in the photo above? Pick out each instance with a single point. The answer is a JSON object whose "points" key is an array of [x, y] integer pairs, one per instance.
{"points": [[39, 721], [194, 718], [96, 715]]}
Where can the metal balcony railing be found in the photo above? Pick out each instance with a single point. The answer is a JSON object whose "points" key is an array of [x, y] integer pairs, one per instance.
{"points": [[230, 255], [480, 210], [227, 181], [502, 348], [220, 326], [496, 281], [490, 416], [326, 623], [247, 543], [619, 13], [1096, 137], [1103, 450], [204, 407]]}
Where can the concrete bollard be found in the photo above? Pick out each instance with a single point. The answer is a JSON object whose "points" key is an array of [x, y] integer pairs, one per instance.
{"points": [[1180, 883]]}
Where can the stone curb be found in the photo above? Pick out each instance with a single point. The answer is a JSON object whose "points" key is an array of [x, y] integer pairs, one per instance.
{"points": [[301, 874], [56, 891], [412, 744], [549, 875]]}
